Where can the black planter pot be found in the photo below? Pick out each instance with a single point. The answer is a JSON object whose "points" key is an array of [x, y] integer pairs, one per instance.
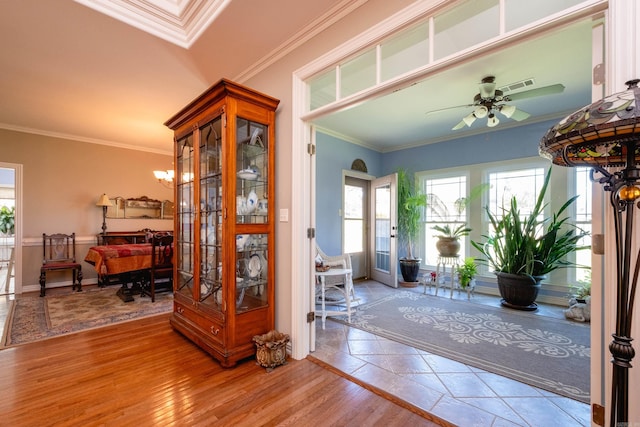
{"points": [[410, 269], [518, 291]]}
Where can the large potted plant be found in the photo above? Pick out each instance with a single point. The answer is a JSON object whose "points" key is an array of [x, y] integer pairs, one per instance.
{"points": [[523, 249], [410, 205]]}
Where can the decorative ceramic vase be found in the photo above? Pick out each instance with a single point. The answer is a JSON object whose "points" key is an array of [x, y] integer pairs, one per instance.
{"points": [[519, 291], [271, 349], [448, 246]]}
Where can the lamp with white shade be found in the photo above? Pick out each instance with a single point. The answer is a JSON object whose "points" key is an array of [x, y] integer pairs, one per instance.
{"points": [[104, 202]]}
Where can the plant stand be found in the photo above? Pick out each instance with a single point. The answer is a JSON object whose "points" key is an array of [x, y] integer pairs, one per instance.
{"points": [[443, 262]]}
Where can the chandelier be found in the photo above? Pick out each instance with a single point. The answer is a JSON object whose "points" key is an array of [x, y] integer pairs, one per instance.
{"points": [[165, 177]]}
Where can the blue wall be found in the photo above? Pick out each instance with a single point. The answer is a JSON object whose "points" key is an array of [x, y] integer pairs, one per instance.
{"points": [[509, 144], [335, 155]]}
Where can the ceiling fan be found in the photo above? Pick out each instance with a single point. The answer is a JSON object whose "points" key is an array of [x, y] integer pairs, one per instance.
{"points": [[490, 100]]}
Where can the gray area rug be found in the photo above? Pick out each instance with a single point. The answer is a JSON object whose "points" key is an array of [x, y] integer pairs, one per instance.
{"points": [[545, 352]]}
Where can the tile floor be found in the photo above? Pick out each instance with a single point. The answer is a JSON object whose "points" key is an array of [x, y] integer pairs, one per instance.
{"points": [[460, 394]]}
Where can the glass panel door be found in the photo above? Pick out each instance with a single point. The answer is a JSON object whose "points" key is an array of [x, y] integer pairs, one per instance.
{"points": [[185, 239], [211, 289], [384, 210], [252, 207], [252, 162]]}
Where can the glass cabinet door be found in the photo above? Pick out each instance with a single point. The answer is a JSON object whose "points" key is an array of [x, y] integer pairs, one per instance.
{"points": [[185, 211], [211, 289], [252, 161], [251, 271]]}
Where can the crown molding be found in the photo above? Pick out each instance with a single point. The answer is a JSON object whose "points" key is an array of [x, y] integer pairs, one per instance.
{"points": [[180, 22]]}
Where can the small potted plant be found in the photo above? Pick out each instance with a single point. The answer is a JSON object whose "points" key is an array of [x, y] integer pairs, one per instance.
{"points": [[467, 271], [448, 243], [410, 205], [523, 249]]}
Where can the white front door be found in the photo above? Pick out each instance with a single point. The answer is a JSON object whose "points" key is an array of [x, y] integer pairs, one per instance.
{"points": [[355, 224], [384, 259]]}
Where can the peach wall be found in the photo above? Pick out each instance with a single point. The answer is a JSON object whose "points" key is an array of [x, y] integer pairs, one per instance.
{"points": [[62, 180]]}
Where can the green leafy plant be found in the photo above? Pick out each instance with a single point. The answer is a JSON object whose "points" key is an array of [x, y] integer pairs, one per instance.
{"points": [[467, 271], [410, 204], [448, 230], [7, 220], [528, 245], [583, 290], [441, 211]]}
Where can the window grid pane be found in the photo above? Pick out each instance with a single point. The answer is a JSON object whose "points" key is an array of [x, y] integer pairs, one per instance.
{"points": [[442, 209], [583, 220], [524, 184]]}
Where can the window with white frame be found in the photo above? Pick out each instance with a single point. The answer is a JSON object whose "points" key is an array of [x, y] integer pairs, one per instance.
{"points": [[442, 209], [583, 220], [520, 178], [524, 184]]}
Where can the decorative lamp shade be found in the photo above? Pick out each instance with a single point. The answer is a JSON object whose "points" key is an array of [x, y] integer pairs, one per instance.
{"points": [[508, 110], [603, 134], [492, 121], [481, 111], [104, 201], [468, 120]]}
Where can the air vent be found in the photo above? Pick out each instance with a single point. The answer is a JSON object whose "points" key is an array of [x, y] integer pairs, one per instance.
{"points": [[517, 86]]}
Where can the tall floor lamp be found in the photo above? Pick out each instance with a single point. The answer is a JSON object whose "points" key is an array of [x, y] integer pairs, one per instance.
{"points": [[105, 203], [606, 135]]}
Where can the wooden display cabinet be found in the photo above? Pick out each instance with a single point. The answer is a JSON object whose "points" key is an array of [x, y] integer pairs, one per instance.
{"points": [[224, 220]]}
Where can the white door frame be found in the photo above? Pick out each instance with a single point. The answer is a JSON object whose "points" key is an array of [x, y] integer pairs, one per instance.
{"points": [[622, 39], [17, 266]]}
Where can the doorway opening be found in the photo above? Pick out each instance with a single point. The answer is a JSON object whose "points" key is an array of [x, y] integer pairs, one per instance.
{"points": [[7, 229]]}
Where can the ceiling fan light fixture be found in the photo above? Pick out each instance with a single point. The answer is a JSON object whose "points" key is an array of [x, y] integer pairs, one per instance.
{"points": [[492, 121], [481, 111], [468, 120], [508, 110]]}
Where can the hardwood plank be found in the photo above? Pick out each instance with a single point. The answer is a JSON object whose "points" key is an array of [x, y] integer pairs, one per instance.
{"points": [[143, 373]]}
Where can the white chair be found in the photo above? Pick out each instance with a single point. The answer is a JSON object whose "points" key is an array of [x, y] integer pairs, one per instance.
{"points": [[333, 288], [336, 261]]}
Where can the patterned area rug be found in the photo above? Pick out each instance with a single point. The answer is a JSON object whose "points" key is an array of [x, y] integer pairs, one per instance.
{"points": [[35, 318], [545, 352]]}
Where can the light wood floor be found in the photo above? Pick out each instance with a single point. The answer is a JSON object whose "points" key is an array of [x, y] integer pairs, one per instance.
{"points": [[142, 373]]}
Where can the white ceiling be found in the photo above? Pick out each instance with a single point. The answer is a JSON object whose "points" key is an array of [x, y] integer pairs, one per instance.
{"points": [[72, 71], [68, 70]]}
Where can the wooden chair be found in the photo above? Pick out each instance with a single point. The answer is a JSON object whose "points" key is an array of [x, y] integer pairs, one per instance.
{"points": [[59, 253], [161, 271]]}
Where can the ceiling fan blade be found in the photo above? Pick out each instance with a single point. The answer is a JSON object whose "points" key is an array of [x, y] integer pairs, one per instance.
{"points": [[520, 115], [547, 90], [459, 125], [442, 110]]}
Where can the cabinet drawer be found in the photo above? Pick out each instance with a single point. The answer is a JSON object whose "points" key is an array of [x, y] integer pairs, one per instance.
{"points": [[213, 329]]}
